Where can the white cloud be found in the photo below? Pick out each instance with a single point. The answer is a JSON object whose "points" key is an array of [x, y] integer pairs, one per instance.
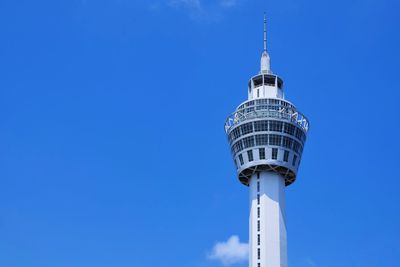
{"points": [[228, 3], [230, 252], [190, 4], [194, 8], [310, 263], [199, 10]]}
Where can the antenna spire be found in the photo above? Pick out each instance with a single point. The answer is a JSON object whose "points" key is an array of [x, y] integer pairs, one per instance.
{"points": [[265, 33], [265, 60]]}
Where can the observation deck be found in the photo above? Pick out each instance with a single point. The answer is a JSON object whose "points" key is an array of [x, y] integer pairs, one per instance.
{"points": [[267, 134]]}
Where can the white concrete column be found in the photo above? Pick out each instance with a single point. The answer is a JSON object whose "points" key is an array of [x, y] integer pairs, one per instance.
{"points": [[267, 221]]}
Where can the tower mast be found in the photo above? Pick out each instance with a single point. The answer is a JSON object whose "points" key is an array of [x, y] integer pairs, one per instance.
{"points": [[265, 33], [265, 60]]}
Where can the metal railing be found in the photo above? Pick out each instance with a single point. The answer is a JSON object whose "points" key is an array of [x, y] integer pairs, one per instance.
{"points": [[284, 113]]}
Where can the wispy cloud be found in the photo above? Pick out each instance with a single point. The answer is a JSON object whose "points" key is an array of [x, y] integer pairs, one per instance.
{"points": [[310, 263], [228, 3], [193, 8], [230, 252], [187, 4], [199, 10]]}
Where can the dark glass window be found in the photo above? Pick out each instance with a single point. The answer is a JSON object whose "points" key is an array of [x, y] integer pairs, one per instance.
{"points": [[258, 186], [230, 137], [286, 156], [250, 155], [287, 142], [260, 126], [248, 141], [275, 126], [247, 128], [296, 146], [261, 153], [241, 159], [294, 160], [289, 128], [238, 146], [257, 81], [280, 83], [275, 140], [258, 199], [298, 133], [274, 153], [258, 226], [258, 253], [258, 212], [262, 139], [269, 80], [236, 133], [258, 239]]}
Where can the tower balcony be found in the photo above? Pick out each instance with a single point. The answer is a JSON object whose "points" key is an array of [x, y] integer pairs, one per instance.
{"points": [[266, 108]]}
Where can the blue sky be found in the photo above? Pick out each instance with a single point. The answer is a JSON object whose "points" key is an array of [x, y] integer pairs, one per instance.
{"points": [[112, 148]]}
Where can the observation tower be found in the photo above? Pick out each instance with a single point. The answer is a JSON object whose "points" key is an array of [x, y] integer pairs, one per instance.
{"points": [[267, 134]]}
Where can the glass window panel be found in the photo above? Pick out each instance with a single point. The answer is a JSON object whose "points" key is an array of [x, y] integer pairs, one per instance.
{"points": [[274, 153], [250, 155]]}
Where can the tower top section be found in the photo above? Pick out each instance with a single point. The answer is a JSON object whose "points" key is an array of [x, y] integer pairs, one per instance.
{"points": [[266, 132], [265, 60], [265, 84]]}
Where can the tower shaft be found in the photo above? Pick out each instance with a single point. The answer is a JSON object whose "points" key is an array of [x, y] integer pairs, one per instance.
{"points": [[267, 233]]}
